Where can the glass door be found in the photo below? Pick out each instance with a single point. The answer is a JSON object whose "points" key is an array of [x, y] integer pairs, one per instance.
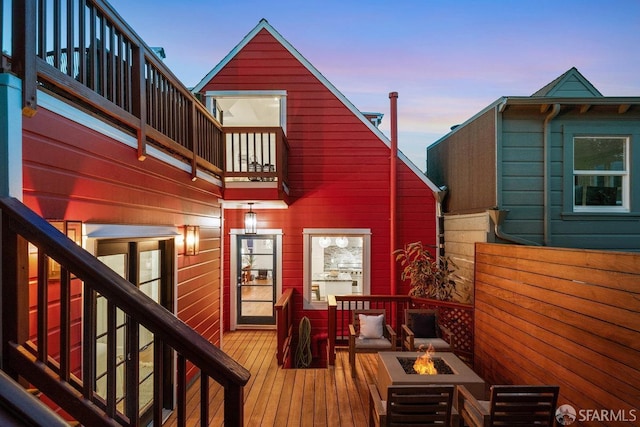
{"points": [[146, 264], [256, 279]]}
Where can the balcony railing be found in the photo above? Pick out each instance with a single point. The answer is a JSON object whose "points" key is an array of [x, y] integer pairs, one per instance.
{"points": [[256, 154], [84, 51]]}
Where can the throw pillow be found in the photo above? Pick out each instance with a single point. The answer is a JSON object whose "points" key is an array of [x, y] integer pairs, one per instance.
{"points": [[424, 325], [371, 326]]}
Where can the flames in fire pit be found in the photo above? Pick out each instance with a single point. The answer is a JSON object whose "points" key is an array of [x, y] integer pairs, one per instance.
{"points": [[424, 364]]}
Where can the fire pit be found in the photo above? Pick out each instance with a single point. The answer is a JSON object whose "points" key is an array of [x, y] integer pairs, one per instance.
{"points": [[439, 365], [391, 372]]}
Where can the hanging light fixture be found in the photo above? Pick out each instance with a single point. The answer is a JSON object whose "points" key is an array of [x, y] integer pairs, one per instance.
{"points": [[342, 242], [250, 221], [324, 242]]}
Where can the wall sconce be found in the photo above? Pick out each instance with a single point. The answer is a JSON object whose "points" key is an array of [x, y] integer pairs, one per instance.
{"points": [[191, 240], [250, 221], [73, 230]]}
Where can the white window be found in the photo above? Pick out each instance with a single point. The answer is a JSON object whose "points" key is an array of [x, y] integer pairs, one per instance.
{"points": [[601, 174], [336, 262]]}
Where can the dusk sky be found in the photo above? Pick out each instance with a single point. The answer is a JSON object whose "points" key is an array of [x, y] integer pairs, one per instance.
{"points": [[447, 59]]}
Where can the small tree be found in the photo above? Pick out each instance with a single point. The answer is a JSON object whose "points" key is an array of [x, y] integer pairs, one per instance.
{"points": [[429, 277]]}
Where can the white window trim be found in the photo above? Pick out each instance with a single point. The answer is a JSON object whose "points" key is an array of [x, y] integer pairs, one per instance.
{"points": [[626, 202], [308, 304]]}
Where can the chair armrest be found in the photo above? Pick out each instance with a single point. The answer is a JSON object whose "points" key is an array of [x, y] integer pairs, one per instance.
{"points": [[406, 331], [390, 330], [470, 408], [352, 330], [377, 408], [392, 336], [407, 338]]}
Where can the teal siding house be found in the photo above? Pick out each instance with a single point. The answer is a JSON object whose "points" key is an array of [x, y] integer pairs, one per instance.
{"points": [[558, 168]]}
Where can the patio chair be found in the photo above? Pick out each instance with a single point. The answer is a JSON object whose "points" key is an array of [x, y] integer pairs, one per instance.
{"points": [[422, 328], [369, 333], [510, 405], [423, 405]]}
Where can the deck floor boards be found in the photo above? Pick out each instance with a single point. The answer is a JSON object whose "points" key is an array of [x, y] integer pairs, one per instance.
{"points": [[288, 397]]}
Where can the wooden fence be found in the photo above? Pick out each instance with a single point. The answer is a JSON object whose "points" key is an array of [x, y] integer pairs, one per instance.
{"points": [[561, 316]]}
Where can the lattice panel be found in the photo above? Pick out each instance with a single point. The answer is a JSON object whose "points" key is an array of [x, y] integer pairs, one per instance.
{"points": [[459, 321]]}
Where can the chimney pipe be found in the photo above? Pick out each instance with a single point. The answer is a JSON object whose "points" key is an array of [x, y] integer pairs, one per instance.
{"points": [[393, 96]]}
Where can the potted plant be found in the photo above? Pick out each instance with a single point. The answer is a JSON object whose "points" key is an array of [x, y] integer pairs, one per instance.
{"points": [[429, 277]]}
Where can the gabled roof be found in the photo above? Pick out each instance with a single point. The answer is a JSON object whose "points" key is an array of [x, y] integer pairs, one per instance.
{"points": [[571, 84], [264, 25]]}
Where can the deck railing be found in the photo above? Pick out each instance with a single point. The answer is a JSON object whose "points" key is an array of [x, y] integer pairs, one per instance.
{"points": [[284, 326], [256, 154], [83, 50], [456, 317], [50, 362]]}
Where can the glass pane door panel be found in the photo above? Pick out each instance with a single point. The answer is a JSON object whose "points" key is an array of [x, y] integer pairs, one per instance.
{"points": [[256, 279]]}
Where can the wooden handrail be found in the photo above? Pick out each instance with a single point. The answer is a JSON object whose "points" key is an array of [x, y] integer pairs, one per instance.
{"points": [[23, 408], [284, 325], [19, 220]]}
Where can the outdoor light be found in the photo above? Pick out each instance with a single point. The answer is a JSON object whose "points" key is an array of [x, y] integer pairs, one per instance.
{"points": [[73, 230], [191, 240], [250, 221]]}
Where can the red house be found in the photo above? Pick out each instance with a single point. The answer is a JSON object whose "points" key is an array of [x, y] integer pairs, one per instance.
{"points": [[200, 222], [342, 200]]}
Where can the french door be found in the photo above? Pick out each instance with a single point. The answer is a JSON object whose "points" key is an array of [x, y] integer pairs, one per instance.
{"points": [[256, 279], [148, 266]]}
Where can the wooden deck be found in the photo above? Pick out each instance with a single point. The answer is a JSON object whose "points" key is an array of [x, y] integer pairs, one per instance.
{"points": [[289, 397]]}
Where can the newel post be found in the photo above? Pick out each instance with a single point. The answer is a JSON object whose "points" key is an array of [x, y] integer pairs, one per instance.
{"points": [[331, 326], [234, 405]]}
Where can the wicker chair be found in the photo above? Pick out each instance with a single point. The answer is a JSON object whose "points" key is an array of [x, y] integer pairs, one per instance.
{"points": [[362, 341], [510, 405]]}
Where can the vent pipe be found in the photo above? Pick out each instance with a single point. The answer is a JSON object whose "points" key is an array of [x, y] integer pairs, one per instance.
{"points": [[393, 97]]}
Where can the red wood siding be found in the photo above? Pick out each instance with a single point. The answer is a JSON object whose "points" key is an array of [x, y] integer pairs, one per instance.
{"points": [[338, 170], [72, 172]]}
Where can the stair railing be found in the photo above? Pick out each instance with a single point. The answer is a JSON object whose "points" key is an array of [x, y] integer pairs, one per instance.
{"points": [[27, 360]]}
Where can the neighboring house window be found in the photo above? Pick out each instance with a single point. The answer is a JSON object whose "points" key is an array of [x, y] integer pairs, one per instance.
{"points": [[601, 174], [336, 262]]}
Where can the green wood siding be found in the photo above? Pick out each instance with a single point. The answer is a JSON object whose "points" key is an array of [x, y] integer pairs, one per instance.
{"points": [[522, 172]]}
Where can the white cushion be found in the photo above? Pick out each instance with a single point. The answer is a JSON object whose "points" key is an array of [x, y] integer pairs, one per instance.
{"points": [[371, 326]]}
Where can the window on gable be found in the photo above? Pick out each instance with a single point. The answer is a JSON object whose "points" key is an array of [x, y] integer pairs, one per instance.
{"points": [[336, 262], [601, 174]]}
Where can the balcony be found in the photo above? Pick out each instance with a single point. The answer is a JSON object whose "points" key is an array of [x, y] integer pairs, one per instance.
{"points": [[255, 160]]}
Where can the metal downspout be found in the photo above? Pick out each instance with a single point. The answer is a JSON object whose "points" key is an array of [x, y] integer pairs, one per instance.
{"points": [[393, 180], [498, 216], [546, 141]]}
